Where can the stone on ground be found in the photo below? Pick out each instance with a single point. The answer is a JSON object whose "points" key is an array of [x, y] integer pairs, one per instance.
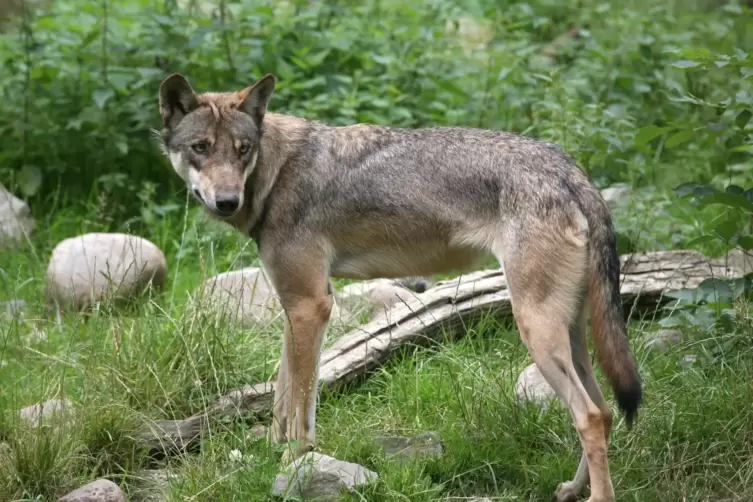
{"points": [[16, 221], [51, 409], [616, 195], [664, 339], [92, 267], [320, 477], [101, 490], [425, 445], [246, 297], [151, 485], [532, 386], [12, 310], [375, 297]]}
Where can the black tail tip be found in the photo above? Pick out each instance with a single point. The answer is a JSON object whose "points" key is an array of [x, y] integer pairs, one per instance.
{"points": [[629, 400]]}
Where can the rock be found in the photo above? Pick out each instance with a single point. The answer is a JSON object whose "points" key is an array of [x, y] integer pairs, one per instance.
{"points": [[16, 222], [151, 485], [616, 195], [533, 386], [738, 259], [417, 284], [12, 310], [258, 432], [376, 297], [36, 335], [246, 297], [101, 490], [688, 360], [96, 266], [5, 457], [469, 33], [664, 339], [425, 445], [320, 477], [48, 410]]}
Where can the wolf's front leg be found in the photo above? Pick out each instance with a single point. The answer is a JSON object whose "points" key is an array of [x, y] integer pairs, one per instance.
{"points": [[281, 409], [308, 318], [299, 272]]}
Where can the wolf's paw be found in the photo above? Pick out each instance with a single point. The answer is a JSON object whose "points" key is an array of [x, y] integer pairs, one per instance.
{"points": [[566, 492]]}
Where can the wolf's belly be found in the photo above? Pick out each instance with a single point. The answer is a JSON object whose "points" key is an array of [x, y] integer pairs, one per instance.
{"points": [[395, 262]]}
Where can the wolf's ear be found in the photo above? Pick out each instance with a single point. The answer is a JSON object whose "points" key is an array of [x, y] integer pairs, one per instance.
{"points": [[256, 97], [176, 99]]}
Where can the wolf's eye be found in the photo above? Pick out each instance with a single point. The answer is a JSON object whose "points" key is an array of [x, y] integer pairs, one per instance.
{"points": [[244, 148], [199, 147]]}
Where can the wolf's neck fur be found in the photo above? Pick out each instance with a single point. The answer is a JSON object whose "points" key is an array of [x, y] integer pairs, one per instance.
{"points": [[280, 138]]}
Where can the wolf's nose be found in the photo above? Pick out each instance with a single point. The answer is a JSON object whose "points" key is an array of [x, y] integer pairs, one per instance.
{"points": [[227, 202]]}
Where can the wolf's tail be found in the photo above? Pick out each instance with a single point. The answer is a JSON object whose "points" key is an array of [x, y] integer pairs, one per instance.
{"points": [[607, 322]]}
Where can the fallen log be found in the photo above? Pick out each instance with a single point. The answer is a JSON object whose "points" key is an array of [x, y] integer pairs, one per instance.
{"points": [[424, 317]]}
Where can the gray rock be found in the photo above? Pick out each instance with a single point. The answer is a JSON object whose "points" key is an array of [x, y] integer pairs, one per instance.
{"points": [[51, 409], [320, 477], [151, 485], [464, 499], [425, 445], [417, 284], [532, 385], [12, 310], [664, 339], [101, 490], [375, 297], [36, 335], [5, 451], [243, 297], [16, 221], [246, 297], [259, 432], [92, 267], [616, 195], [738, 259], [688, 360]]}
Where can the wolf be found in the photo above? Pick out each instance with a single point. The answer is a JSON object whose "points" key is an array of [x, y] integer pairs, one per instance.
{"points": [[368, 201]]}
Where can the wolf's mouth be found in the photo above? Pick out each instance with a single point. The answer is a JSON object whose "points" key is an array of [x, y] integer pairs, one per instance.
{"points": [[197, 194]]}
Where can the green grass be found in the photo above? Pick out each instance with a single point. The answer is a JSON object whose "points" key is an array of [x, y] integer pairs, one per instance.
{"points": [[167, 356]]}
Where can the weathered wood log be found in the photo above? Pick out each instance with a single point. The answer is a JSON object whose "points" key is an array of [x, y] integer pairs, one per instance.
{"points": [[646, 278]]}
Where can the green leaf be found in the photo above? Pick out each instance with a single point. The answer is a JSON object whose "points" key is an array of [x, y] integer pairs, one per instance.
{"points": [[683, 296], [30, 180], [695, 189], [686, 63], [89, 38], [646, 134], [734, 189], [749, 195], [678, 138], [742, 118], [726, 229], [703, 239], [745, 242], [727, 199], [101, 96], [716, 289]]}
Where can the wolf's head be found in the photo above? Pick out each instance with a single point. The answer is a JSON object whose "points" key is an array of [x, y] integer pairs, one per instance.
{"points": [[212, 139]]}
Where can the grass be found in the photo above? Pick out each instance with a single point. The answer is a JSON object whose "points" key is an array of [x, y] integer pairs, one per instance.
{"points": [[167, 356]]}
